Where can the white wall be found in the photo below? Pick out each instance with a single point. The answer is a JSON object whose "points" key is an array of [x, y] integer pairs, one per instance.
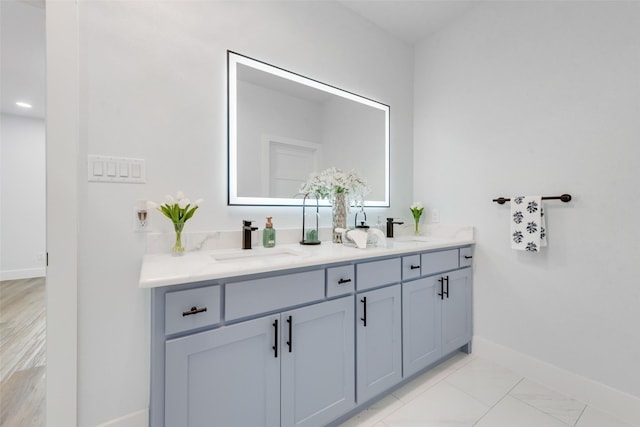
{"points": [[22, 203], [153, 86], [354, 137], [263, 111], [542, 98]]}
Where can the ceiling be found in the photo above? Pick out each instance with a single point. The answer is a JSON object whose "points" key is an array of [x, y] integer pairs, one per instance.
{"points": [[22, 37], [22, 69], [409, 20]]}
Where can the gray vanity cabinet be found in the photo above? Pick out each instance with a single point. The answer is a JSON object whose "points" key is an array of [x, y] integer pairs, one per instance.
{"points": [[436, 318], [207, 372], [317, 363], [379, 338], [248, 375], [456, 311], [304, 347], [421, 324]]}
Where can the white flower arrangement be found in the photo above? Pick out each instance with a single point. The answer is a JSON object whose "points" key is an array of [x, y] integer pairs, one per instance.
{"points": [[180, 209], [333, 181], [416, 210]]}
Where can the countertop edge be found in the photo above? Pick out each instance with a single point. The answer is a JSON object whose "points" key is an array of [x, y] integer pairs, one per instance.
{"points": [[186, 271]]}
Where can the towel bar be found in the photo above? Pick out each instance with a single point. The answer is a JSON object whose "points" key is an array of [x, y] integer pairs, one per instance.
{"points": [[565, 198]]}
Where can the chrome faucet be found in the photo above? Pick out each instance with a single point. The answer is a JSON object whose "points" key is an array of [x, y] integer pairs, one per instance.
{"points": [[246, 233], [390, 223]]}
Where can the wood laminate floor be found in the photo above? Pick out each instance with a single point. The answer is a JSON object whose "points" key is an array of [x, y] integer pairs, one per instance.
{"points": [[22, 352]]}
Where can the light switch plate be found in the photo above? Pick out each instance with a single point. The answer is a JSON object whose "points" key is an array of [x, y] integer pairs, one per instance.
{"points": [[116, 169], [435, 215]]}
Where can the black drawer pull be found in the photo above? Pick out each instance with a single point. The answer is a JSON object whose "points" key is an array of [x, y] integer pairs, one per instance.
{"points": [[364, 306], [446, 279], [468, 257], [413, 267], [290, 342], [441, 281], [341, 281], [275, 345], [194, 310]]}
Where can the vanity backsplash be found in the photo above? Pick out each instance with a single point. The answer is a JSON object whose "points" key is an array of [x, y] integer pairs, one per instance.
{"points": [[159, 243]]}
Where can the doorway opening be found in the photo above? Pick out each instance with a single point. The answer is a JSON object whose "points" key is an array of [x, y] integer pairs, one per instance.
{"points": [[22, 214]]}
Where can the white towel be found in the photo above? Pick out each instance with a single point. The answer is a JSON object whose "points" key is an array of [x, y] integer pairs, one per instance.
{"points": [[528, 229]]}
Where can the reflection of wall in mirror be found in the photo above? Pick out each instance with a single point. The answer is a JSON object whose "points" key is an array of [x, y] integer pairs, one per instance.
{"points": [[354, 138], [286, 163], [352, 134], [263, 111]]}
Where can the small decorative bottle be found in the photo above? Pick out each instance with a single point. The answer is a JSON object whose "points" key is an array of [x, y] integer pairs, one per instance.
{"points": [[269, 234]]}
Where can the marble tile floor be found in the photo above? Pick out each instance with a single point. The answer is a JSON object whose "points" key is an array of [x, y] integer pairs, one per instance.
{"points": [[468, 390], [22, 353]]}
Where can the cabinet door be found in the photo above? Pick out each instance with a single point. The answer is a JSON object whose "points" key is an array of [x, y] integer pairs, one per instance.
{"points": [[317, 363], [456, 311], [421, 324], [379, 340], [213, 377]]}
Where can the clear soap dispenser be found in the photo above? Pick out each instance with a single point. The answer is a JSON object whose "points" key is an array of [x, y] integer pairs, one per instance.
{"points": [[269, 234]]}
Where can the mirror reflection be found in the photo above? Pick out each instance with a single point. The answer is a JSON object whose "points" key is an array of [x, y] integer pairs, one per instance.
{"points": [[283, 127]]}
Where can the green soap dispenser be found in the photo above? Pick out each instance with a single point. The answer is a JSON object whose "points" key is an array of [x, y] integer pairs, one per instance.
{"points": [[269, 234]]}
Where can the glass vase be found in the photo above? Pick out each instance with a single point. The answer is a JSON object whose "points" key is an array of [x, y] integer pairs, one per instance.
{"points": [[417, 229], [177, 248], [339, 210]]}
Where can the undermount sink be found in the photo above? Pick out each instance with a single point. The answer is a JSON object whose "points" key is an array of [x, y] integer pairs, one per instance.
{"points": [[260, 253]]}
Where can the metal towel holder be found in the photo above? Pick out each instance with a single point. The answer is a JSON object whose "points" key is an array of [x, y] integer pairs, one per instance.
{"points": [[565, 198]]}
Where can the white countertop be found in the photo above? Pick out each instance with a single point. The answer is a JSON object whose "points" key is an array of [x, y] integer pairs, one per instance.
{"points": [[164, 269]]}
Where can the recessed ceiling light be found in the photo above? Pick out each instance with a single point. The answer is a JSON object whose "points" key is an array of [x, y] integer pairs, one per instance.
{"points": [[23, 104]]}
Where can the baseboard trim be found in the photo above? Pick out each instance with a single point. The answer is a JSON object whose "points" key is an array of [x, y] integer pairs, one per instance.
{"points": [[623, 406], [135, 419], [26, 273]]}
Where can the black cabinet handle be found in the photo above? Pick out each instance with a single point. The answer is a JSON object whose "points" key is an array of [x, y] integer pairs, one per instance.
{"points": [[446, 279], [413, 267], [290, 342], [468, 257], [194, 310], [364, 303], [275, 341], [341, 281], [444, 293]]}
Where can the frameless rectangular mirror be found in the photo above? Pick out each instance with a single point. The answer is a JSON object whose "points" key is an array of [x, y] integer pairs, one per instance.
{"points": [[283, 127]]}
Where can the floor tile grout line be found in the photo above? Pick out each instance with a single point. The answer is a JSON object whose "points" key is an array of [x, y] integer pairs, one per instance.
{"points": [[546, 413], [468, 360], [581, 414], [500, 400], [543, 412]]}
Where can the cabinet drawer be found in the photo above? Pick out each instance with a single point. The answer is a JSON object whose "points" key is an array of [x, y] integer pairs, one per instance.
{"points": [[378, 273], [340, 280], [466, 257], [410, 267], [179, 305], [256, 296], [435, 262]]}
